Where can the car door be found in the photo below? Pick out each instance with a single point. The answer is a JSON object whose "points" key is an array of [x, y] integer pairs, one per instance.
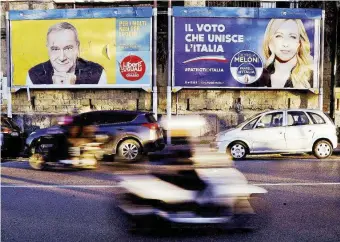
{"points": [[268, 133], [299, 131]]}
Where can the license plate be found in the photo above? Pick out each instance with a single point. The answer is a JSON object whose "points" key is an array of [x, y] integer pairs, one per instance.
{"points": [[14, 134]]}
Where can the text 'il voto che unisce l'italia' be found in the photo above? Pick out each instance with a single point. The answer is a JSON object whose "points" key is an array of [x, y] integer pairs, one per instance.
{"points": [[208, 37]]}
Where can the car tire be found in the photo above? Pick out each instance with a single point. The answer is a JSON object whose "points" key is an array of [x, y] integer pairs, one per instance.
{"points": [[237, 150], [129, 151], [37, 162], [322, 149]]}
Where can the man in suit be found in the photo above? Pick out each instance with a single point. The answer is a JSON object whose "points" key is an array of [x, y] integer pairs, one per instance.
{"points": [[64, 66]]}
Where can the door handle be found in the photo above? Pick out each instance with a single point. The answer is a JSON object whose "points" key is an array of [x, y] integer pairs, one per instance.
{"points": [[120, 129]]}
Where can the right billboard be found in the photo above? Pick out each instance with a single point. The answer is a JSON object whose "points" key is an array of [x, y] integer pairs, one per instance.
{"points": [[246, 48]]}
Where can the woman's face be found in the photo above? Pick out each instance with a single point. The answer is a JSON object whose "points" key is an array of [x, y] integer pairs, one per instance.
{"points": [[285, 41]]}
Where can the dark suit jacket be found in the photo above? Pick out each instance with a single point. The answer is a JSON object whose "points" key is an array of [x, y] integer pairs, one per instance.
{"points": [[265, 81], [87, 72]]}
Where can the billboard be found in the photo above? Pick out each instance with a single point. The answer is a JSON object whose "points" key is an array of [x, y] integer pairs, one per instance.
{"points": [[246, 48], [81, 48]]}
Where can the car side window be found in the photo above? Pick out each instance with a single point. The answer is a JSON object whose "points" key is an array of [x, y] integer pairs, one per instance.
{"points": [[108, 118], [126, 118], [79, 119], [271, 120], [296, 118], [115, 118], [316, 118], [5, 123], [250, 125], [89, 119]]}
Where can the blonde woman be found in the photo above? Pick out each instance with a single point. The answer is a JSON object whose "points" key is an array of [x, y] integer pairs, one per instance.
{"points": [[286, 48]]}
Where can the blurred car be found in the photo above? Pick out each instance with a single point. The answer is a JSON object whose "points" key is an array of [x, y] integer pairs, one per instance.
{"points": [[132, 133], [12, 139], [280, 131]]}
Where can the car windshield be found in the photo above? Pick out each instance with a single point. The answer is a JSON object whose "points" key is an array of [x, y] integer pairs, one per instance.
{"points": [[247, 120]]}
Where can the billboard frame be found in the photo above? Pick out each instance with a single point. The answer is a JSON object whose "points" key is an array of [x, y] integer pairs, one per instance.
{"points": [[79, 13], [257, 13]]}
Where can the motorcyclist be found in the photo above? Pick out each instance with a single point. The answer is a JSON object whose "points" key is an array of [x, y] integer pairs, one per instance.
{"points": [[75, 138], [78, 136]]}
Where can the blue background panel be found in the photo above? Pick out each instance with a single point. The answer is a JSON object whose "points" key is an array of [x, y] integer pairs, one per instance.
{"points": [[81, 13], [233, 12]]}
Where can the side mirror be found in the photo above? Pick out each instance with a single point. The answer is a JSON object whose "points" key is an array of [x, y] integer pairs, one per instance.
{"points": [[260, 125]]}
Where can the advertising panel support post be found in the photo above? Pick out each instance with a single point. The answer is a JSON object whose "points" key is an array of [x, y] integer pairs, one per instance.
{"points": [[154, 62], [9, 68], [320, 101], [168, 90]]}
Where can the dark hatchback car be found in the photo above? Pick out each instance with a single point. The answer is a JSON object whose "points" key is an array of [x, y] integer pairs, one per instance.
{"points": [[132, 133], [12, 139]]}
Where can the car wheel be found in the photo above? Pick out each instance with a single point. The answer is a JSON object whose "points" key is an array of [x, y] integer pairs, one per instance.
{"points": [[37, 161], [322, 149], [129, 151], [237, 151]]}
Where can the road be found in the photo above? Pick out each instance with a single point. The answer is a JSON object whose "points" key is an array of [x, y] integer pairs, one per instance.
{"points": [[66, 205]]}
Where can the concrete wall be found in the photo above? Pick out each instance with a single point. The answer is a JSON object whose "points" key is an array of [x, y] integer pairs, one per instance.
{"points": [[223, 108]]}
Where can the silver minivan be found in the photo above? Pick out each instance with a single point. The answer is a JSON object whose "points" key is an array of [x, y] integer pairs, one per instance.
{"points": [[280, 131]]}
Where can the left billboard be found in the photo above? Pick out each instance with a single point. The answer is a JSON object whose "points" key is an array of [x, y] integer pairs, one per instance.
{"points": [[81, 48]]}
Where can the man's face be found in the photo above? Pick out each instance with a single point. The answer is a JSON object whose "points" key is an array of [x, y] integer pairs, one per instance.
{"points": [[63, 50]]}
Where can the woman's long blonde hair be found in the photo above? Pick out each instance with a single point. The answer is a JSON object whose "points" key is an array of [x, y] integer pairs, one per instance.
{"points": [[302, 72]]}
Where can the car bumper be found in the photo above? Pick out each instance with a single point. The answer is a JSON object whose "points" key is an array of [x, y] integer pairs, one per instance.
{"points": [[219, 146], [152, 146], [334, 141]]}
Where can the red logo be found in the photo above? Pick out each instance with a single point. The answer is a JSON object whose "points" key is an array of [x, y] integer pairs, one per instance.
{"points": [[132, 68]]}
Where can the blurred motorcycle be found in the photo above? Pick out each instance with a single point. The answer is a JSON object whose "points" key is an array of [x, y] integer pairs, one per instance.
{"points": [[58, 149], [189, 196]]}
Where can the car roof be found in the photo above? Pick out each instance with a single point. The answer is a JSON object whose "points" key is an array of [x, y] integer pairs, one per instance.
{"points": [[294, 109], [116, 111], [304, 109]]}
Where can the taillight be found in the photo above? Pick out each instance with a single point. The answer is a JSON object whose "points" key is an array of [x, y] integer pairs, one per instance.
{"points": [[153, 130], [153, 126], [6, 130]]}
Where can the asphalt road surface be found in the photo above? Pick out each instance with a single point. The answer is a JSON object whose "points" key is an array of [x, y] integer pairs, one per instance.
{"points": [[78, 205]]}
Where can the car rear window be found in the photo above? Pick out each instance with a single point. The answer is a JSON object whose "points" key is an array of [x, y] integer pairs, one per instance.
{"points": [[150, 118], [329, 117], [316, 118]]}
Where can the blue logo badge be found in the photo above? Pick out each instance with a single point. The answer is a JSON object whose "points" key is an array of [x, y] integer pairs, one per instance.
{"points": [[246, 66]]}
